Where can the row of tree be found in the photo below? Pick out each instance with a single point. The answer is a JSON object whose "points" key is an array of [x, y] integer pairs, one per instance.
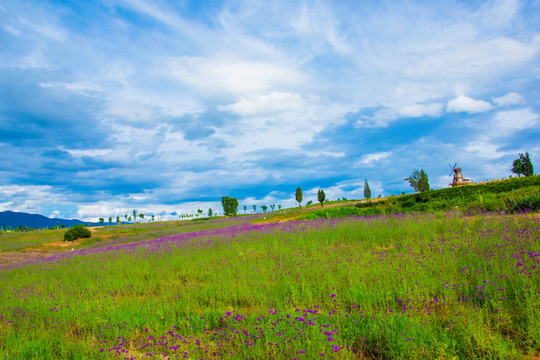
{"points": [[418, 180]]}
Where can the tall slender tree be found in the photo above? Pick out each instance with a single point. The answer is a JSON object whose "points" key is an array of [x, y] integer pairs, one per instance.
{"points": [[367, 190], [321, 196], [299, 196]]}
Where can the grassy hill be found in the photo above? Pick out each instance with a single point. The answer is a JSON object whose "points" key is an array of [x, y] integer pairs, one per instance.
{"points": [[424, 285], [509, 196]]}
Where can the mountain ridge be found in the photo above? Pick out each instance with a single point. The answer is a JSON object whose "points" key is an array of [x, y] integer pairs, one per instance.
{"points": [[13, 219]]}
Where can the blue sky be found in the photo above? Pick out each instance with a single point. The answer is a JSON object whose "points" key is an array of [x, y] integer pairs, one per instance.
{"points": [[166, 106]]}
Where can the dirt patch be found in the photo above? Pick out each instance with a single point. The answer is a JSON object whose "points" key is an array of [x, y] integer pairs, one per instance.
{"points": [[14, 258]]}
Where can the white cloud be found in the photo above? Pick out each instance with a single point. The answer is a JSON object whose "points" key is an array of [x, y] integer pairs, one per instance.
{"points": [[516, 119], [419, 110], [483, 148], [466, 104], [87, 152], [476, 60], [5, 206], [512, 98], [320, 22], [385, 116], [226, 74], [370, 159], [264, 104]]}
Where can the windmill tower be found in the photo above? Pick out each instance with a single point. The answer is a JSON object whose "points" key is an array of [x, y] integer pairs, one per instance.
{"points": [[458, 177]]}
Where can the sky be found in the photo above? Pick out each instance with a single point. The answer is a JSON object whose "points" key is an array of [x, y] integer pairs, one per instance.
{"points": [[163, 107]]}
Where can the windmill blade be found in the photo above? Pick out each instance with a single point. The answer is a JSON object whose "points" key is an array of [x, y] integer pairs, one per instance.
{"points": [[452, 169]]}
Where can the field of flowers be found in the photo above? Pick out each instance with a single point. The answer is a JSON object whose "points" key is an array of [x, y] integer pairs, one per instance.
{"points": [[433, 286]]}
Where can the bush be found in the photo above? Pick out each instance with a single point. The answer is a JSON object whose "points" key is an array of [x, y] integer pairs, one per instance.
{"points": [[77, 232], [527, 202]]}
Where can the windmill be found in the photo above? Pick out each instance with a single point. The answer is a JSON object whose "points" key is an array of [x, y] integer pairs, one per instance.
{"points": [[458, 177]]}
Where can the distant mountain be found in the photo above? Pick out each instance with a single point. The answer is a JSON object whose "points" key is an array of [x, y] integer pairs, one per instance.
{"points": [[15, 219]]}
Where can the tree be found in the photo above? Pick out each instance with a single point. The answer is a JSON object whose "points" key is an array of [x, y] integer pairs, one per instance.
{"points": [[299, 196], [273, 206], [135, 215], [101, 220], [523, 165], [245, 209], [110, 220], [419, 181], [210, 212], [118, 219], [279, 206], [321, 196], [230, 205], [254, 208], [517, 167], [367, 190], [141, 215], [129, 218], [153, 218], [264, 207]]}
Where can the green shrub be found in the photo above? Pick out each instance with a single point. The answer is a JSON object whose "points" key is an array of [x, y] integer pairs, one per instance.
{"points": [[527, 202], [77, 232]]}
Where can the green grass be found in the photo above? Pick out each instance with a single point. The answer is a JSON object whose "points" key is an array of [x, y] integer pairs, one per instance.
{"points": [[51, 240], [435, 286]]}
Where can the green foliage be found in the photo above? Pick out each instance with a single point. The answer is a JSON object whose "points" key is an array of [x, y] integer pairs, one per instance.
{"points": [[210, 213], [264, 208], [299, 196], [77, 232], [321, 196], [367, 190], [419, 181], [517, 167], [230, 205], [523, 165], [526, 202]]}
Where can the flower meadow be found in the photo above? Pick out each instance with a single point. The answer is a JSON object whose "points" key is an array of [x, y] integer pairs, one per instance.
{"points": [[435, 286]]}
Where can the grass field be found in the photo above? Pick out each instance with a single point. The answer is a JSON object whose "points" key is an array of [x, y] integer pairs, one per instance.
{"points": [[436, 286]]}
